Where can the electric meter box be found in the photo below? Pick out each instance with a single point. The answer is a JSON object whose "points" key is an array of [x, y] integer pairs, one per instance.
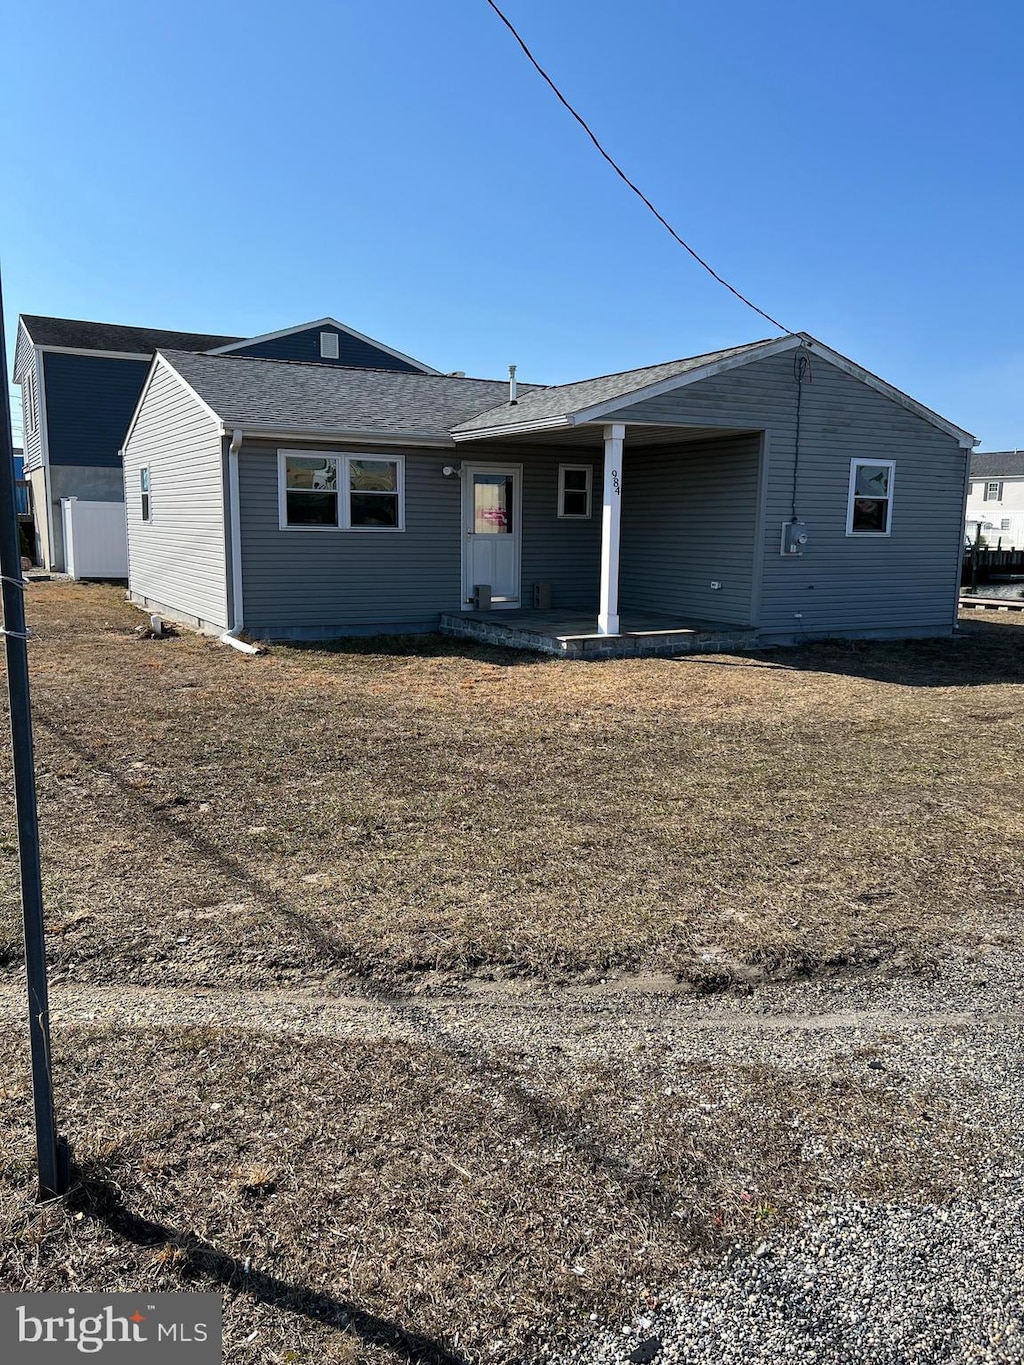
{"points": [[794, 537]]}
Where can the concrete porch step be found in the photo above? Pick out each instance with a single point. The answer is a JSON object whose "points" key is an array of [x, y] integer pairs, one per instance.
{"points": [[575, 635]]}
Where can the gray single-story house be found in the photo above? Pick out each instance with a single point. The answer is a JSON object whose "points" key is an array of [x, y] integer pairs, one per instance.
{"points": [[762, 494]]}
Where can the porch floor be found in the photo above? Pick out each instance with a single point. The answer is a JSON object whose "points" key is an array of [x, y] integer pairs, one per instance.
{"points": [[572, 634]]}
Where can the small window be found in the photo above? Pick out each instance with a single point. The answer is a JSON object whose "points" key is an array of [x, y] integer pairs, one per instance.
{"points": [[1004, 524], [869, 510], [329, 345], [311, 490], [30, 411], [575, 483], [993, 492], [144, 498], [350, 492]]}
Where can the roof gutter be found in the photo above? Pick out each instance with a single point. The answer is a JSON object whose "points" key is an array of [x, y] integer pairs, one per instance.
{"points": [[389, 438], [231, 637], [514, 428]]}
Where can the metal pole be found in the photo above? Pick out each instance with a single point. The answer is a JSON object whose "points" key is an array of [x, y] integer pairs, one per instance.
{"points": [[51, 1152]]}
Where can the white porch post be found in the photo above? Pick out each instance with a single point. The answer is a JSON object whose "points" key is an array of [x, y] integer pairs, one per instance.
{"points": [[608, 617]]}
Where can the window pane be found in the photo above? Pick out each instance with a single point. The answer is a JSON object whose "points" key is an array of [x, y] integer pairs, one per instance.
{"points": [[145, 507], [311, 473], [492, 504], [369, 476], [374, 509], [312, 509], [144, 480], [869, 514], [872, 481], [575, 478], [574, 504]]}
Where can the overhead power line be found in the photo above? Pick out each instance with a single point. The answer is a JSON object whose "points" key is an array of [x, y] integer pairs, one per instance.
{"points": [[624, 177]]}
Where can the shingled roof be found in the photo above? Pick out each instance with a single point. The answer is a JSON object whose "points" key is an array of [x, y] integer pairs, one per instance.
{"points": [[112, 336], [561, 400], [997, 464], [280, 395], [590, 400], [288, 396]]}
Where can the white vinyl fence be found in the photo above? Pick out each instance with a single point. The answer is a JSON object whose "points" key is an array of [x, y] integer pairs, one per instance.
{"points": [[95, 539]]}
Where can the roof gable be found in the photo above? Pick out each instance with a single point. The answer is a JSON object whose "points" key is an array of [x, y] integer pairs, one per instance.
{"points": [[23, 351], [157, 364], [566, 404], [590, 400], [302, 343]]}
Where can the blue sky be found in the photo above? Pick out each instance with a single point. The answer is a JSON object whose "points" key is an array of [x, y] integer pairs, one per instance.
{"points": [[856, 169]]}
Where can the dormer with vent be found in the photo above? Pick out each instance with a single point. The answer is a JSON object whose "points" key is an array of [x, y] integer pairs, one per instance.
{"points": [[325, 342]]}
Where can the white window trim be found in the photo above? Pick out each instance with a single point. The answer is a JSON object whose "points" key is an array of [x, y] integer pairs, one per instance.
{"points": [[588, 469], [997, 496], [341, 459], [854, 464], [146, 493], [330, 338]]}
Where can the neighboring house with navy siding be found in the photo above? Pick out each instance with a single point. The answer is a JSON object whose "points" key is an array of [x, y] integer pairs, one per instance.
{"points": [[291, 500], [80, 382]]}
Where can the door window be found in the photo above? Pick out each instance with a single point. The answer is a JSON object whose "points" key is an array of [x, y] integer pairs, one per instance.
{"points": [[492, 504]]}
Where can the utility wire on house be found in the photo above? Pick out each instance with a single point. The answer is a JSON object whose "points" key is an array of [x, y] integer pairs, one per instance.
{"points": [[624, 177]]}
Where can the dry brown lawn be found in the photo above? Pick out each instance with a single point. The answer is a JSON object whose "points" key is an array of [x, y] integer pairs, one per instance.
{"points": [[392, 808]]}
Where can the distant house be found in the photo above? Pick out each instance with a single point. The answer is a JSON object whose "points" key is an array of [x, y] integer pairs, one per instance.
{"points": [[299, 501], [80, 382], [21, 501], [995, 503]]}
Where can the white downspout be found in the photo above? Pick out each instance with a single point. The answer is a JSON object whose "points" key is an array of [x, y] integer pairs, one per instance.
{"points": [[230, 637]]}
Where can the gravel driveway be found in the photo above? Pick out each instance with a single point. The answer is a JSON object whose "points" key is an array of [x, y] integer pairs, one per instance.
{"points": [[878, 1283], [881, 1284]]}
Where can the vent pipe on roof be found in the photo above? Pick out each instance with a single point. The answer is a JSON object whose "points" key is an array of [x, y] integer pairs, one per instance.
{"points": [[512, 399]]}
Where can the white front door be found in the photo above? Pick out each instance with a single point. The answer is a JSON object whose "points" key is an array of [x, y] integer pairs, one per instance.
{"points": [[491, 536]]}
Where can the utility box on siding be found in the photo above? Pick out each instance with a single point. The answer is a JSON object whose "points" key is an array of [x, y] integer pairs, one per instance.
{"points": [[95, 539]]}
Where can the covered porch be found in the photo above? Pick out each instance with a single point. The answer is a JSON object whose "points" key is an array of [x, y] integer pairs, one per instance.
{"points": [[573, 634], [668, 565]]}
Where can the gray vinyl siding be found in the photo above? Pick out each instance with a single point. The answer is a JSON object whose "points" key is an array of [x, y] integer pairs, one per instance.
{"points": [[907, 581], [178, 559], [687, 519], [314, 580]]}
